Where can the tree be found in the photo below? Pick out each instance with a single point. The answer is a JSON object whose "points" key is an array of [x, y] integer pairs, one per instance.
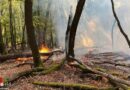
{"points": [[13, 45], [68, 34], [119, 24], [2, 48], [1, 40], [73, 28], [30, 33]]}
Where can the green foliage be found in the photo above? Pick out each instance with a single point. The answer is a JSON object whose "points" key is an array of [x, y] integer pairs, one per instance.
{"points": [[42, 20]]}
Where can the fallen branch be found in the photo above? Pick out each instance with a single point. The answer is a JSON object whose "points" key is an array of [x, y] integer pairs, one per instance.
{"points": [[24, 74], [119, 24], [34, 71], [3, 58], [26, 63], [112, 62], [116, 84], [88, 69], [19, 65], [70, 85]]}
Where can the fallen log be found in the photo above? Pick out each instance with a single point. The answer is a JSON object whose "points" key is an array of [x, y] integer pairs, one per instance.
{"points": [[19, 65], [4, 58], [113, 63], [24, 74], [36, 71], [116, 84], [72, 85], [110, 77]]}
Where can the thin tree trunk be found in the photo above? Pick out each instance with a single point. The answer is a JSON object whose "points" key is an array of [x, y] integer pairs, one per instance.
{"points": [[119, 24], [74, 26], [14, 34], [6, 38], [45, 27], [30, 33], [11, 26], [68, 35], [112, 33], [23, 38], [23, 43], [2, 47], [52, 40], [1, 41]]}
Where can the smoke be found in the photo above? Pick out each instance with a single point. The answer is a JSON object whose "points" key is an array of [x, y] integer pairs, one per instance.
{"points": [[95, 26]]}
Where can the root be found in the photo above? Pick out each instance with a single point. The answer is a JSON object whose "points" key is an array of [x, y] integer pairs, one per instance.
{"points": [[110, 77], [36, 71]]}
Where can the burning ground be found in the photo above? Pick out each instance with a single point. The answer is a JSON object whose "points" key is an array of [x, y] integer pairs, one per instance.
{"points": [[112, 63]]}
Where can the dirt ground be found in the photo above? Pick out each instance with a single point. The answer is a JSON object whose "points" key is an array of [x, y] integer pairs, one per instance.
{"points": [[69, 74]]}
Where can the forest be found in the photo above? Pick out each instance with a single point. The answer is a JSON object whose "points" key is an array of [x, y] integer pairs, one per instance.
{"points": [[64, 45]]}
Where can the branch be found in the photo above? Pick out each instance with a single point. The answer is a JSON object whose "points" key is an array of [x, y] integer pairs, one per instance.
{"points": [[71, 85], [4, 58], [34, 71], [88, 69], [119, 24]]}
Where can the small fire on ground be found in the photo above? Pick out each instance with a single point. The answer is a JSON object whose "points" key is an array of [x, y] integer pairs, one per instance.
{"points": [[42, 49]]}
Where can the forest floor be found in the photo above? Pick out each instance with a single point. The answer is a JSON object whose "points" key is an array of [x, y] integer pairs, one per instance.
{"points": [[113, 63]]}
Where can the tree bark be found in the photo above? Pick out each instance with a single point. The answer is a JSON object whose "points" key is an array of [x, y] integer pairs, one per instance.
{"points": [[1, 41], [119, 24], [30, 33], [11, 26], [2, 48], [112, 33], [65, 85], [45, 27], [23, 42], [74, 26], [68, 35]]}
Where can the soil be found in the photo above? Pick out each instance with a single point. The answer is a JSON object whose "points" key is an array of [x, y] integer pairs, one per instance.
{"points": [[68, 74]]}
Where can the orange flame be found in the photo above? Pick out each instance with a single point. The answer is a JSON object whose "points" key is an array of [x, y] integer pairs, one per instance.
{"points": [[88, 42], [24, 59], [44, 49]]}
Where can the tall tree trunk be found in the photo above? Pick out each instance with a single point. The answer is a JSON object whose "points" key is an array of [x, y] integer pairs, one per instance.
{"points": [[2, 47], [31, 34], [52, 40], [1, 41], [6, 38], [45, 27], [68, 35], [23, 43], [73, 27], [23, 38], [112, 33], [11, 26], [39, 31], [14, 34], [119, 24]]}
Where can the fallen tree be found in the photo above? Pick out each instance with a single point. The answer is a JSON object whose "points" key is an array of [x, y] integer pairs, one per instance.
{"points": [[72, 85], [4, 58], [112, 62], [36, 71], [119, 24], [111, 78]]}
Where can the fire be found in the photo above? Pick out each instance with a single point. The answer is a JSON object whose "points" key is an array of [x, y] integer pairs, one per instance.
{"points": [[88, 42], [44, 49], [24, 59]]}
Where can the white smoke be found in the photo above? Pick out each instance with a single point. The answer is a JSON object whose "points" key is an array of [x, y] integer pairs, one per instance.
{"points": [[96, 23]]}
